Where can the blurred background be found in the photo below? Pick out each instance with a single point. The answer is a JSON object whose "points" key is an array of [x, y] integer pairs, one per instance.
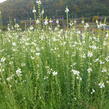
{"points": [[22, 9]]}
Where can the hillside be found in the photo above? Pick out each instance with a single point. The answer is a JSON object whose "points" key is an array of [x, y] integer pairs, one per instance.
{"points": [[22, 9]]}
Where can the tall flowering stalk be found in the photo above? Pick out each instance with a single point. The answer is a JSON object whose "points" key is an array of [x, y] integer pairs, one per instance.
{"points": [[42, 14], [38, 2], [105, 19], [67, 11], [34, 12]]}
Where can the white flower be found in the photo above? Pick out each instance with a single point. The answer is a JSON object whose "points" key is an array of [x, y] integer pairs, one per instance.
{"points": [[11, 62], [10, 78], [101, 85], [2, 70], [14, 44], [79, 78], [82, 22], [38, 2], [37, 21], [8, 28], [93, 91], [90, 54], [104, 70], [75, 72], [93, 47], [31, 27], [96, 60], [71, 24], [89, 70], [107, 82], [101, 62], [96, 21], [98, 26], [107, 59], [37, 54], [66, 10], [86, 25], [42, 12], [16, 25], [107, 35], [101, 25], [32, 57], [34, 11], [78, 32], [57, 21], [23, 64], [18, 72], [83, 56], [46, 22], [2, 59], [54, 73], [45, 78], [75, 21], [50, 21]]}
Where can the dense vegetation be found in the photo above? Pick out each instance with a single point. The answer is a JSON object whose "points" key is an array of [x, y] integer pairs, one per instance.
{"points": [[54, 69], [54, 63], [22, 9]]}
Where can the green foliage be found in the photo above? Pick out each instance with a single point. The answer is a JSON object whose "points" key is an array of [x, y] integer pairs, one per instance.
{"points": [[54, 68]]}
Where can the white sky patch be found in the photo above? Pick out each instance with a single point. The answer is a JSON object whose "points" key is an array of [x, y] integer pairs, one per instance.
{"points": [[2, 1]]}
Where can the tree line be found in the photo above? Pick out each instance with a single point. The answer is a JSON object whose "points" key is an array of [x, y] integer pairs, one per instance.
{"points": [[22, 9]]}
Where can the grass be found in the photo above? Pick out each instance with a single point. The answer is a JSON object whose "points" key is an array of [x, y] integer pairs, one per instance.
{"points": [[54, 69]]}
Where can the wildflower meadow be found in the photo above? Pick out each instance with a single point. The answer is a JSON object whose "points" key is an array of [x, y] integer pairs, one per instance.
{"points": [[45, 67]]}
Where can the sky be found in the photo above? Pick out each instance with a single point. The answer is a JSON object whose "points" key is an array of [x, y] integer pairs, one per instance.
{"points": [[2, 1]]}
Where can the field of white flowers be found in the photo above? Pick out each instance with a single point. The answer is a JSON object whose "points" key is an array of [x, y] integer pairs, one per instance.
{"points": [[47, 67], [54, 68]]}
